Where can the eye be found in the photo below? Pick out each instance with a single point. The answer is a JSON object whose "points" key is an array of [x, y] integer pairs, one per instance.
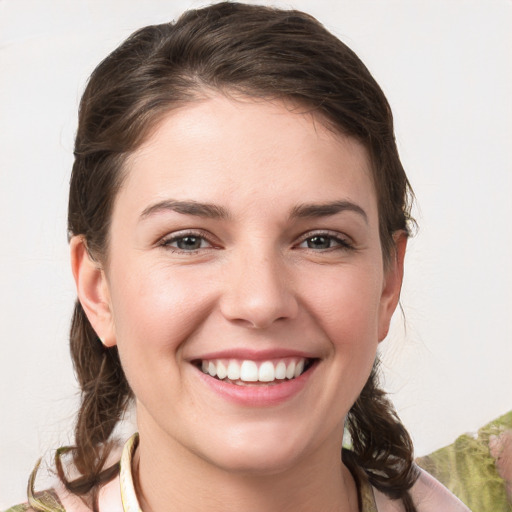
{"points": [[325, 241], [187, 242]]}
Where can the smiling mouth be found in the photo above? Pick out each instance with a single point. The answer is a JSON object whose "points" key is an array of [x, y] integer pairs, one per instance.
{"points": [[249, 373]]}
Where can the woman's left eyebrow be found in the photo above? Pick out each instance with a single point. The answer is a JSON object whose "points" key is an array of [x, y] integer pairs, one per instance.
{"points": [[325, 209], [195, 208]]}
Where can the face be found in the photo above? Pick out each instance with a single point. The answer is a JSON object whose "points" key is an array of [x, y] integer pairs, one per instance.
{"points": [[245, 286]]}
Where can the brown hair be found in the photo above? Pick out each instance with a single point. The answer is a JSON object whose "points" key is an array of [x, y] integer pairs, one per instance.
{"points": [[259, 52]]}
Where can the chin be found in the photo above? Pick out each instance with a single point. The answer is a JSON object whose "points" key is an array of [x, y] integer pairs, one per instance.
{"points": [[258, 452], [256, 461]]}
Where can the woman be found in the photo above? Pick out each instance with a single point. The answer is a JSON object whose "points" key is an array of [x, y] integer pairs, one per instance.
{"points": [[238, 219]]}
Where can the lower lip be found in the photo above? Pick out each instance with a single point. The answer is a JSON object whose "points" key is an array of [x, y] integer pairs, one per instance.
{"points": [[260, 395]]}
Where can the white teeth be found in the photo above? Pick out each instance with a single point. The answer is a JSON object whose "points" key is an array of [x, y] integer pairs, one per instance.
{"points": [[233, 370], [266, 372], [222, 371], [298, 369], [239, 371], [281, 370], [249, 371], [290, 370]]}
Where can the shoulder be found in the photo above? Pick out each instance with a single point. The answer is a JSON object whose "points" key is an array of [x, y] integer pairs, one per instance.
{"points": [[58, 499], [428, 495], [109, 499]]}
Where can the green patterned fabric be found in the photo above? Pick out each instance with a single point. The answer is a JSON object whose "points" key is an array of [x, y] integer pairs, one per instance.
{"points": [[467, 468], [45, 501], [18, 508]]}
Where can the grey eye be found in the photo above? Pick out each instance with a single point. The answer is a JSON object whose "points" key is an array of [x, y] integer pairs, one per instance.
{"points": [[189, 243], [319, 242]]}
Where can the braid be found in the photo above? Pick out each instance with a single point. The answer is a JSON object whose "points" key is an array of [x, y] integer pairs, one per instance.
{"points": [[381, 446], [105, 395]]}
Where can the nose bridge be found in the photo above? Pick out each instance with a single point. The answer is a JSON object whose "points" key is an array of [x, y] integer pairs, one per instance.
{"points": [[258, 290]]}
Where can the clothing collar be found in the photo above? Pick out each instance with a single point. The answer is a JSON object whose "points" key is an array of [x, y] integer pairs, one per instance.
{"points": [[128, 496]]}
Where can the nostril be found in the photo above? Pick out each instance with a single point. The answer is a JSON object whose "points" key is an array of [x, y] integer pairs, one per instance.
{"points": [[260, 296]]}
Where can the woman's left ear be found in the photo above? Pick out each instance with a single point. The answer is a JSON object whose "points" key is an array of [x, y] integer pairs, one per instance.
{"points": [[393, 278]]}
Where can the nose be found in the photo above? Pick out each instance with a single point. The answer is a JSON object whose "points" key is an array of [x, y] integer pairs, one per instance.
{"points": [[258, 291]]}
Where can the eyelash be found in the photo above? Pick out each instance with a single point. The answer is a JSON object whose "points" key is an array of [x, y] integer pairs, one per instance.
{"points": [[341, 243], [176, 237]]}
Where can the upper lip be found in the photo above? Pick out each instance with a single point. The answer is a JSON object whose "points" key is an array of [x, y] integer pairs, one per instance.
{"points": [[254, 355]]}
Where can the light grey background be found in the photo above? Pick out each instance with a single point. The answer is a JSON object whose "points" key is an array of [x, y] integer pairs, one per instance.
{"points": [[445, 67]]}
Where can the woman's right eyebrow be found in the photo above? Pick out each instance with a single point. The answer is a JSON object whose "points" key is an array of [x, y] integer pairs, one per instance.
{"points": [[195, 208]]}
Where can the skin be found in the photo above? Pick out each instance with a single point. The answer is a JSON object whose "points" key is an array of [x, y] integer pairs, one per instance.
{"points": [[501, 449], [259, 280]]}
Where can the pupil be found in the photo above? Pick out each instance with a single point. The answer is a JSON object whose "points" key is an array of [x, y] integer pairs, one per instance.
{"points": [[189, 242], [319, 242]]}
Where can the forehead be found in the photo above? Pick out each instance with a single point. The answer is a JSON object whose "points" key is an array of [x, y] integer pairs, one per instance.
{"points": [[237, 150]]}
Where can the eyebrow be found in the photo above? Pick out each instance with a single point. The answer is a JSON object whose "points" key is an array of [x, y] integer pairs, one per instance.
{"points": [[325, 209], [207, 210], [212, 211]]}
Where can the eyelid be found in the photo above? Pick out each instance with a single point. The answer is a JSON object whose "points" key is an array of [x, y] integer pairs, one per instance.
{"points": [[345, 242], [166, 240]]}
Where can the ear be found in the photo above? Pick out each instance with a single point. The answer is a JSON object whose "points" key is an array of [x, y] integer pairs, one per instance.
{"points": [[93, 291], [393, 277]]}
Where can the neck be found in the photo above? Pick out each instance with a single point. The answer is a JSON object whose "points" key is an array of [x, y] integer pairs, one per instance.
{"points": [[169, 477]]}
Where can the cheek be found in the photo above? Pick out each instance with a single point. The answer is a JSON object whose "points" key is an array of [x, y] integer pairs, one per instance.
{"points": [[156, 307], [156, 310], [347, 305], [347, 311]]}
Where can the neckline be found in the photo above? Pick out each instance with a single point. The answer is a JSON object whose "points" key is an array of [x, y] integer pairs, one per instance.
{"points": [[128, 496], [131, 503]]}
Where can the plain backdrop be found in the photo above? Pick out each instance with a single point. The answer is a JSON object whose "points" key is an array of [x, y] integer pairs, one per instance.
{"points": [[445, 66]]}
